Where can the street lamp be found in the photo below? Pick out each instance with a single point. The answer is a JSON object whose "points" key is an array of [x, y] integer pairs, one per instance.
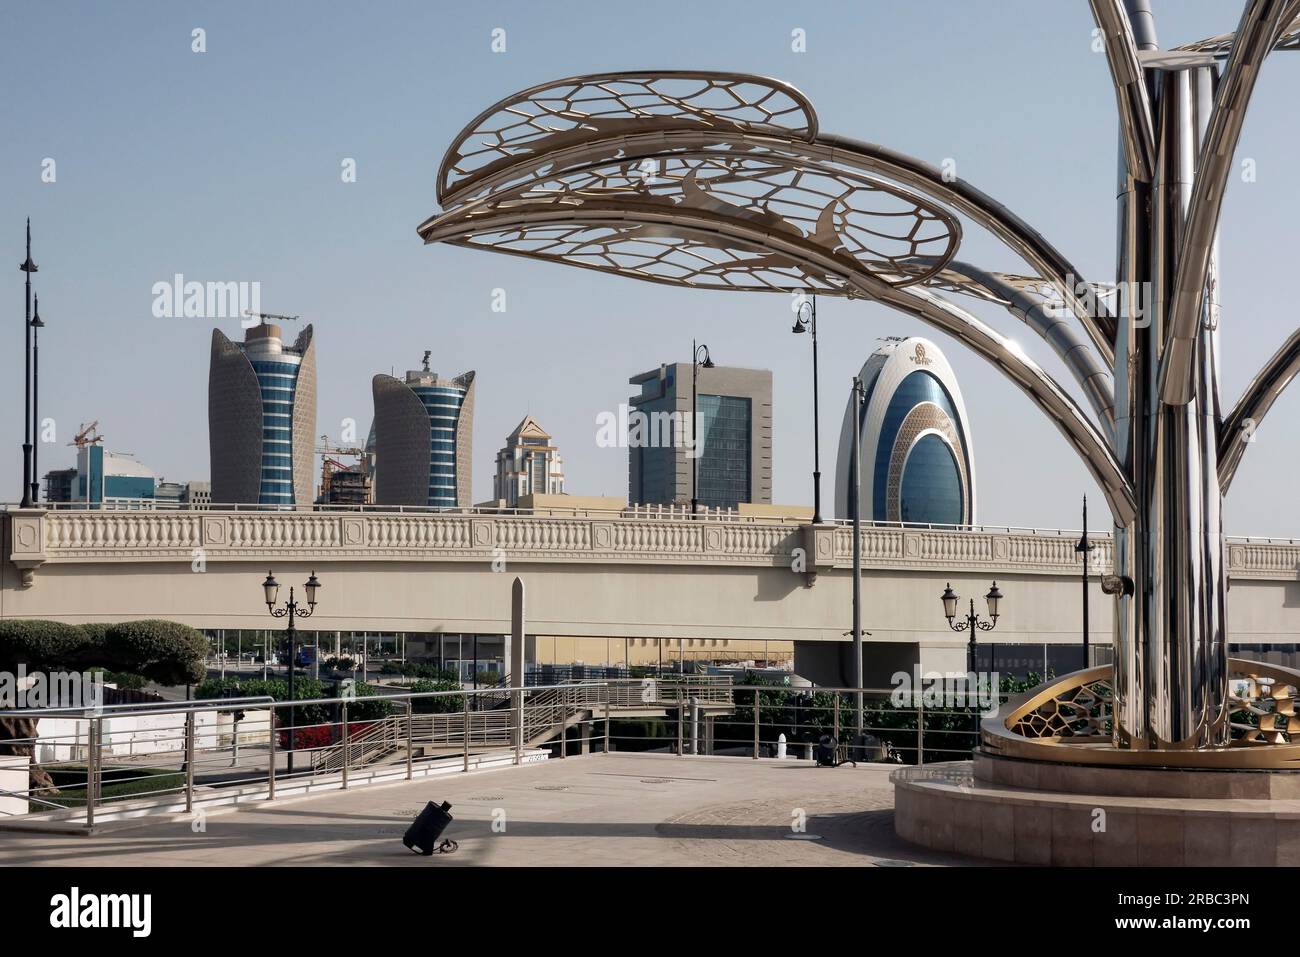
{"points": [[696, 362], [37, 326], [271, 591], [971, 621], [28, 267], [1082, 550], [806, 321], [855, 510]]}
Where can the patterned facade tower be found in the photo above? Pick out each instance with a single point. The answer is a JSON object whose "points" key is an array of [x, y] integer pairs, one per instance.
{"points": [[424, 440], [262, 418], [917, 460]]}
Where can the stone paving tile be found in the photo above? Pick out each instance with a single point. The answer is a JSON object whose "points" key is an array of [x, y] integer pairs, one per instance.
{"points": [[600, 810]]}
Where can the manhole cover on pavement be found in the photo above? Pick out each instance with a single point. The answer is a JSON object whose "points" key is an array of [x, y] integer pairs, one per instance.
{"points": [[890, 862]]}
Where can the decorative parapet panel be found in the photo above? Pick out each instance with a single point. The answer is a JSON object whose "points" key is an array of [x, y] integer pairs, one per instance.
{"points": [[25, 541], [35, 537]]}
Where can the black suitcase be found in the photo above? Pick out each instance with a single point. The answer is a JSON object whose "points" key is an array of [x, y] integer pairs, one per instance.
{"points": [[825, 751], [425, 829]]}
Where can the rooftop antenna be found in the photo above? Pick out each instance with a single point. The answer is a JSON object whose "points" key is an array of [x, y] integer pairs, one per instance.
{"points": [[427, 353]]}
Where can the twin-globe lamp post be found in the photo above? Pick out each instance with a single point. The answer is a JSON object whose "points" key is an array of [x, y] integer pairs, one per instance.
{"points": [[971, 620], [291, 609]]}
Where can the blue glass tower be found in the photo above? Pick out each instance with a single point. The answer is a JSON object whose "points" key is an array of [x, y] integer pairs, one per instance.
{"points": [[423, 439], [917, 464], [262, 418]]}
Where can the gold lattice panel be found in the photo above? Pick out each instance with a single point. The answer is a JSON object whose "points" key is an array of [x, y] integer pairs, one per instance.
{"points": [[1080, 711], [1270, 702]]}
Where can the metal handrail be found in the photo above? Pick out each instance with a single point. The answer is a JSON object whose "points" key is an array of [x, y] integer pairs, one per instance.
{"points": [[538, 715]]}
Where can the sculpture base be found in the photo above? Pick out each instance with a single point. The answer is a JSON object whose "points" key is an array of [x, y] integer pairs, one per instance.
{"points": [[1030, 812]]}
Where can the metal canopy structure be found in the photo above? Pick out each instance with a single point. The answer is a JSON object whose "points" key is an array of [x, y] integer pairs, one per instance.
{"points": [[725, 181]]}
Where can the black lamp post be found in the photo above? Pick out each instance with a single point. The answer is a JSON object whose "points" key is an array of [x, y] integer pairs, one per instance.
{"points": [[271, 590], [696, 362], [37, 326], [1083, 549], [972, 620], [801, 325], [28, 267]]}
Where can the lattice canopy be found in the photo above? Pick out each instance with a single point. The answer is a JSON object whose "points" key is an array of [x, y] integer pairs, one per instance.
{"points": [[552, 116], [630, 218]]}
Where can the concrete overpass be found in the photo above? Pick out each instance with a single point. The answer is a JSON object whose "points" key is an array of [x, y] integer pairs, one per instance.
{"points": [[638, 574]]}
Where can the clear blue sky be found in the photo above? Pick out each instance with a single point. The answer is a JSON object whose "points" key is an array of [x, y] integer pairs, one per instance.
{"points": [[226, 166]]}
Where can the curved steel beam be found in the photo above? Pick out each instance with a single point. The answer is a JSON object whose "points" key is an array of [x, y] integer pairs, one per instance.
{"points": [[1092, 376], [712, 227], [1239, 427], [1221, 45], [1262, 24], [1137, 130]]}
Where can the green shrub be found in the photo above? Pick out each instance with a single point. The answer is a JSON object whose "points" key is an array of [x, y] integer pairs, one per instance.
{"points": [[440, 705], [275, 688], [39, 644], [163, 651], [373, 708]]}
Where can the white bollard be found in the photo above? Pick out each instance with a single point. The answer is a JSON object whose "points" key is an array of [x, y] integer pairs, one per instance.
{"points": [[780, 746]]}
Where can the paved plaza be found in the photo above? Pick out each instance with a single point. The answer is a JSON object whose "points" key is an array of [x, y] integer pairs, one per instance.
{"points": [[602, 810]]}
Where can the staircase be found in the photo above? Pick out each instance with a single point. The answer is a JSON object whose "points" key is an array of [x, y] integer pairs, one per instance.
{"points": [[548, 713]]}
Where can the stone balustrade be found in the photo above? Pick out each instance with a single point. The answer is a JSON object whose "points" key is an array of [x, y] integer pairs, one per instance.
{"points": [[35, 537]]}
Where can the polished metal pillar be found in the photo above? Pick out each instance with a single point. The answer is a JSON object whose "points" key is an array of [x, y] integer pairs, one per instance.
{"points": [[1170, 654]]}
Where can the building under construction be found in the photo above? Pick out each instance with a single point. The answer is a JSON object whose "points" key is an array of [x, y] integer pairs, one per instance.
{"points": [[341, 483]]}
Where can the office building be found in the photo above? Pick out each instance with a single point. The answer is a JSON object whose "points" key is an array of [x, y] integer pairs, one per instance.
{"points": [[262, 418], [735, 437], [917, 461], [101, 477], [423, 439], [528, 465]]}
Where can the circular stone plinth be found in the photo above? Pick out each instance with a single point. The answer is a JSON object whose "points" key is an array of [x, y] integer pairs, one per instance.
{"points": [[1115, 781], [946, 807]]}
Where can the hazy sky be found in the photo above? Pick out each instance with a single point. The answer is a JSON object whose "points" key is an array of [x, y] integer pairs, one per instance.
{"points": [[225, 166]]}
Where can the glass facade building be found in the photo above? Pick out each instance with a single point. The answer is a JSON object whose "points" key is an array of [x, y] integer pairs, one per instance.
{"points": [[733, 436], [443, 404], [262, 418], [917, 465], [277, 380], [423, 432], [724, 467]]}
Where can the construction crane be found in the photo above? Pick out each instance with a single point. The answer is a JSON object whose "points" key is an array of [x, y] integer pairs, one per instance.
{"points": [[331, 463], [85, 436], [270, 315]]}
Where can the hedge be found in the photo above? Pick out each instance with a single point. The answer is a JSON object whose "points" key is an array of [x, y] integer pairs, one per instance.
{"points": [[165, 652]]}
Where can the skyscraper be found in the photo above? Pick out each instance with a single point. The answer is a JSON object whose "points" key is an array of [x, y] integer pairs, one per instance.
{"points": [[424, 428], [917, 463], [734, 431], [528, 465], [262, 417]]}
